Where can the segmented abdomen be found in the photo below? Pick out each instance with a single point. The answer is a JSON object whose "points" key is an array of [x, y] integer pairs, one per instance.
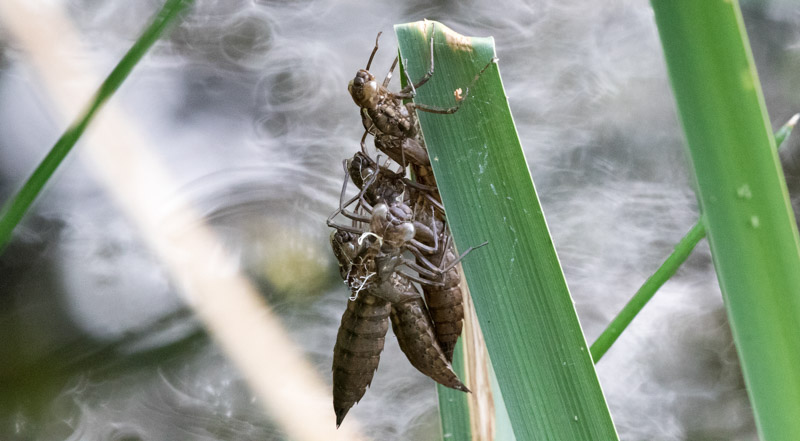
{"points": [[446, 305], [403, 151], [357, 351], [415, 333]]}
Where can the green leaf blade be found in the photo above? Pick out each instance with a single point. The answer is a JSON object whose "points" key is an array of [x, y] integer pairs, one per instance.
{"points": [[537, 348], [453, 405], [742, 192]]}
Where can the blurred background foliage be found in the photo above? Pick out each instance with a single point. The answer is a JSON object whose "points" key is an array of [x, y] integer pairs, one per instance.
{"points": [[247, 104]]}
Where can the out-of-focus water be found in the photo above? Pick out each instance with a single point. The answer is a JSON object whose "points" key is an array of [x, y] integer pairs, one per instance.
{"points": [[247, 103]]}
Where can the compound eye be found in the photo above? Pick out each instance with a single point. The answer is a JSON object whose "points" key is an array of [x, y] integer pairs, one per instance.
{"points": [[408, 231], [381, 211], [364, 76]]}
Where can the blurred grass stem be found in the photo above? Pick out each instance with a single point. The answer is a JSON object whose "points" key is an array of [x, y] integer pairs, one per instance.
{"points": [[233, 312], [13, 211]]}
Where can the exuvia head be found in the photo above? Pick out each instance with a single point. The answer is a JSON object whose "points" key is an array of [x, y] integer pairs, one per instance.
{"points": [[405, 232], [381, 211], [364, 89], [344, 245], [393, 225], [361, 169], [344, 248]]}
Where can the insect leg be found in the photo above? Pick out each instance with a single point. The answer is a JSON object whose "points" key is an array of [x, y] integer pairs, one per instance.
{"points": [[420, 280], [413, 243], [435, 203], [354, 230], [389, 75], [424, 233], [454, 109], [432, 109], [363, 144], [429, 269], [348, 214], [418, 186], [342, 206], [372, 55], [356, 354], [463, 255], [411, 85]]}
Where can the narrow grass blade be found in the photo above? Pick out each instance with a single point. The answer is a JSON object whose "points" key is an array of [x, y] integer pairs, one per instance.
{"points": [[646, 292], [14, 209], [664, 272], [743, 196], [235, 315], [524, 308]]}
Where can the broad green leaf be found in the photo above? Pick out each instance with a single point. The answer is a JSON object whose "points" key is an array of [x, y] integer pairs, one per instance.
{"points": [[743, 196], [535, 342]]}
